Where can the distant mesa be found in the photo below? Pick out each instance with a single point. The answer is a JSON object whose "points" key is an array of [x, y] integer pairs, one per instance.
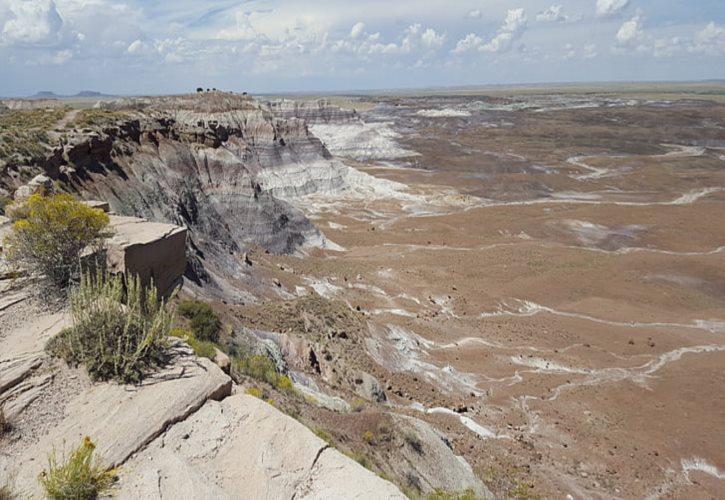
{"points": [[47, 94]]}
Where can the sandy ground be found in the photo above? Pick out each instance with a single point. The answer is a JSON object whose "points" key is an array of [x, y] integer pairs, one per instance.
{"points": [[560, 282]]}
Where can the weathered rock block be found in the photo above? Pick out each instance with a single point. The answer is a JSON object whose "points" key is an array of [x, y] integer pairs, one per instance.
{"points": [[149, 250]]}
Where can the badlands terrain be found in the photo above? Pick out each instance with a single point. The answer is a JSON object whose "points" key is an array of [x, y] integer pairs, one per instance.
{"points": [[534, 275]]}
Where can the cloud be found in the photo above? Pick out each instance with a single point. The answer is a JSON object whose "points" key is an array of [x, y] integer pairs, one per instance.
{"points": [[555, 13], [243, 29], [510, 31], [474, 14], [357, 30], [471, 41], [609, 8], [513, 29], [630, 32], [33, 23], [710, 40]]}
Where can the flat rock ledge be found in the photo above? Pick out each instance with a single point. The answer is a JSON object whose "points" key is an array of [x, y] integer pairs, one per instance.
{"points": [[121, 420], [244, 448]]}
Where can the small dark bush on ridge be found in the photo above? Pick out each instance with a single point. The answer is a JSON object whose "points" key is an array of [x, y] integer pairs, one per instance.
{"points": [[205, 324]]}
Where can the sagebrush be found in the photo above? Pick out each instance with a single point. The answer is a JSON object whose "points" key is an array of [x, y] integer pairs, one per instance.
{"points": [[80, 476], [117, 332]]}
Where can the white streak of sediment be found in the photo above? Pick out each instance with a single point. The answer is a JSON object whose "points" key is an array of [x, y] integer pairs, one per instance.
{"points": [[323, 287], [700, 465], [525, 308], [400, 350], [576, 198], [594, 172], [639, 375], [628, 250], [468, 422], [394, 312]]}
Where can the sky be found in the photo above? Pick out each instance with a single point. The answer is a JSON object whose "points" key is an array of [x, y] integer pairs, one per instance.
{"points": [[130, 47]]}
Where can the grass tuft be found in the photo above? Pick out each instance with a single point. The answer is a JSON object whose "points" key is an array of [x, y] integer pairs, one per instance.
{"points": [[81, 475]]}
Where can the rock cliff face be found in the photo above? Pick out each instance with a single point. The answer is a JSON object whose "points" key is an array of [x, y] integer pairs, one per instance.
{"points": [[219, 164], [313, 112]]}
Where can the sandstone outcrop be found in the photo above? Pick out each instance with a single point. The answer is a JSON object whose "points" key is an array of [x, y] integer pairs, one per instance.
{"points": [[242, 447], [149, 250]]}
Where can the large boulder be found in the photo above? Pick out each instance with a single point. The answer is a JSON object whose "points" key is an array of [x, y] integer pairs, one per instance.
{"points": [[243, 447], [149, 250]]}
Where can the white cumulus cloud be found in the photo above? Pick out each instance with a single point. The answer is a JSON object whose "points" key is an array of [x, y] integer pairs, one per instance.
{"points": [[608, 8], [510, 31], [357, 30], [710, 40], [631, 31], [32, 23], [555, 13], [474, 14], [513, 28], [471, 41]]}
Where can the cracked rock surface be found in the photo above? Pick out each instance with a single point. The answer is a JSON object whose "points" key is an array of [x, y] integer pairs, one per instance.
{"points": [[242, 447]]}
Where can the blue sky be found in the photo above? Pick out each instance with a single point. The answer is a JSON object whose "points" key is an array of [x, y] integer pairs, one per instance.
{"points": [[152, 47]]}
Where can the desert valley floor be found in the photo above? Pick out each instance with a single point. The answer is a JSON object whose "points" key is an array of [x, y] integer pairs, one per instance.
{"points": [[553, 272]]}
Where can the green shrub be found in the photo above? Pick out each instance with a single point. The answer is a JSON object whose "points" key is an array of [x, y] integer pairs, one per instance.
{"points": [[51, 234], [204, 322], [369, 437], [257, 367], [359, 458], [201, 348], [257, 393], [439, 494], [82, 476], [324, 435], [114, 339]]}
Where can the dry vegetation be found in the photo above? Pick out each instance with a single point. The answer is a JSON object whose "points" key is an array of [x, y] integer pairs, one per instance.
{"points": [[24, 133], [89, 118]]}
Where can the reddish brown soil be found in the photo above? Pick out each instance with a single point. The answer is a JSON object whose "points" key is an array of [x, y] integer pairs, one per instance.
{"points": [[616, 387]]}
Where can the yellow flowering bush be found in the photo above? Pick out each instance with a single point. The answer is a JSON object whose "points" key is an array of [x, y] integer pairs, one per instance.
{"points": [[52, 233]]}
